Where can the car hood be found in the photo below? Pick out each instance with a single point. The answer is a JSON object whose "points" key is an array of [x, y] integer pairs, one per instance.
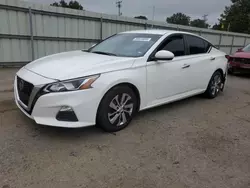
{"points": [[75, 64], [242, 55]]}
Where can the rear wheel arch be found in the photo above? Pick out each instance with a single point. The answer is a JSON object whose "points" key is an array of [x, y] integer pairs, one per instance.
{"points": [[217, 70], [222, 74], [220, 70], [209, 92]]}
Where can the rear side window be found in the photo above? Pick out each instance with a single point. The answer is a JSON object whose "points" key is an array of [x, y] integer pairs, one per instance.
{"points": [[174, 44], [196, 45]]}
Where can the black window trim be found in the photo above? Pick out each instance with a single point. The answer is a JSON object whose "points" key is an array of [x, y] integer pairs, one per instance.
{"points": [[150, 57], [187, 45], [210, 47], [88, 50]]}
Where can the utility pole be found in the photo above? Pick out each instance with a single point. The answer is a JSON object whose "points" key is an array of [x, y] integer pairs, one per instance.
{"points": [[153, 16], [205, 17], [119, 5]]}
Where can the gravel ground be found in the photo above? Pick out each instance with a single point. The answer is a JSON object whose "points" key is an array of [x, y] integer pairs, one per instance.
{"points": [[194, 143]]}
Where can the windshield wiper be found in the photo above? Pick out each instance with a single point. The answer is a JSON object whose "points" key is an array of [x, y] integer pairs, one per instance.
{"points": [[103, 53], [85, 50]]}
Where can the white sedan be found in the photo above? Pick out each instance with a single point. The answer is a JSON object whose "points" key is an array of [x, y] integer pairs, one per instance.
{"points": [[109, 83]]}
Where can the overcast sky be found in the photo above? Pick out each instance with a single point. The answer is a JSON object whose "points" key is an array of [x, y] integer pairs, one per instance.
{"points": [[163, 8]]}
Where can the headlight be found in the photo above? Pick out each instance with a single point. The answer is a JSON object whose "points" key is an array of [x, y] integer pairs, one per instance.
{"points": [[72, 85]]}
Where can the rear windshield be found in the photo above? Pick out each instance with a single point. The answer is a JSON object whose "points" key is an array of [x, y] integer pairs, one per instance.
{"points": [[126, 44]]}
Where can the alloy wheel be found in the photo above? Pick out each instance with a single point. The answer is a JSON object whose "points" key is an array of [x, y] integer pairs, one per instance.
{"points": [[120, 109], [216, 85]]}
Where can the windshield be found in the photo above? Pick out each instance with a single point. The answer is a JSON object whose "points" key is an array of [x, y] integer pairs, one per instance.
{"points": [[246, 49], [126, 45]]}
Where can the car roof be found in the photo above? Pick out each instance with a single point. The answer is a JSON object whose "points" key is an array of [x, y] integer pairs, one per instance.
{"points": [[163, 32], [155, 32], [158, 32]]}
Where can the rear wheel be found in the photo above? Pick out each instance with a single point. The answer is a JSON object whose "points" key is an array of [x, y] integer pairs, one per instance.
{"points": [[117, 109], [215, 85]]}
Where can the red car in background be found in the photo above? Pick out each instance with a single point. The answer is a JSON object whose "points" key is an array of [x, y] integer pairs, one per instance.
{"points": [[240, 61]]}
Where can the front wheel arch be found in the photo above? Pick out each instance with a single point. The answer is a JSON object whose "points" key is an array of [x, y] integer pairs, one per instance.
{"points": [[131, 86], [100, 120]]}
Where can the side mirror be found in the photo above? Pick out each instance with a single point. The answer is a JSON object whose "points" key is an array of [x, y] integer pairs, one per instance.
{"points": [[164, 55]]}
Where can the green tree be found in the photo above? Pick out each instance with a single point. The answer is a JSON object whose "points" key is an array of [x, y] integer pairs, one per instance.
{"points": [[141, 17], [217, 26], [199, 23], [179, 18], [71, 4], [61, 3], [236, 17]]}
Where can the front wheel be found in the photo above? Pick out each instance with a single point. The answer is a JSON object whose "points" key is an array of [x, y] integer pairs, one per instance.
{"points": [[117, 109], [215, 85]]}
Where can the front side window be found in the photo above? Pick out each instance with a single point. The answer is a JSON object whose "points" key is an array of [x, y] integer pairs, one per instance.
{"points": [[174, 44], [246, 49], [196, 45], [126, 44]]}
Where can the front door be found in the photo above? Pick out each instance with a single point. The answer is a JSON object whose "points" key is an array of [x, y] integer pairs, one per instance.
{"points": [[168, 78]]}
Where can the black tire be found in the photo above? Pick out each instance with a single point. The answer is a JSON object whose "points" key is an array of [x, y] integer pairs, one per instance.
{"points": [[215, 85], [112, 120]]}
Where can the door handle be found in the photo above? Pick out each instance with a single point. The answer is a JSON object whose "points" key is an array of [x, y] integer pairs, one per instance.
{"points": [[185, 66], [212, 58]]}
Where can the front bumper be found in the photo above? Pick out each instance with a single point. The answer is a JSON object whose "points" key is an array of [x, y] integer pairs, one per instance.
{"points": [[45, 109]]}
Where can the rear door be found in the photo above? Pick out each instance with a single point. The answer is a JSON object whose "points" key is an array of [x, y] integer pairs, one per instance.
{"points": [[199, 60]]}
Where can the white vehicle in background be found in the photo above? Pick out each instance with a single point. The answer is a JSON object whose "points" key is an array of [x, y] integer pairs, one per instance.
{"points": [[113, 80]]}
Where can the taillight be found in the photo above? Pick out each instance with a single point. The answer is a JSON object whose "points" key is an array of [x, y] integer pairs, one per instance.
{"points": [[229, 58]]}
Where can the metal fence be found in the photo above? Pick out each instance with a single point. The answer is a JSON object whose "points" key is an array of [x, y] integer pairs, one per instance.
{"points": [[29, 31]]}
